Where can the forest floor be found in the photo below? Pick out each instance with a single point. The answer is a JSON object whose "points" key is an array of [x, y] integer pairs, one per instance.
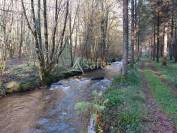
{"points": [[17, 69], [20, 75], [144, 101]]}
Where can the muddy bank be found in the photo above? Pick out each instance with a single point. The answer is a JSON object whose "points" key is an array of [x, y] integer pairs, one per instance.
{"points": [[34, 83]]}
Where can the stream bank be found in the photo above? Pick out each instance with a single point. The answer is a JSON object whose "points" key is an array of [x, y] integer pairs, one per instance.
{"points": [[52, 110], [31, 83]]}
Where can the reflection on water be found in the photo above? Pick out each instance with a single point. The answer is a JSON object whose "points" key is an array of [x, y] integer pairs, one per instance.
{"points": [[52, 111]]}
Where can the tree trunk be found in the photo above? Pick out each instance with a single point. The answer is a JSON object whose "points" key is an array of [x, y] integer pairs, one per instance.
{"points": [[165, 49], [21, 39], [154, 47], [158, 36], [171, 42], [132, 32], [46, 30], [125, 37], [175, 45]]}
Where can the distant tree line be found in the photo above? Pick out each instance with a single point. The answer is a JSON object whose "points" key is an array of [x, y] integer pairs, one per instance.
{"points": [[42, 30]]}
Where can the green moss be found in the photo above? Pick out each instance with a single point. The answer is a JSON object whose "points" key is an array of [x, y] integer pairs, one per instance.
{"points": [[30, 84], [21, 86], [26, 86]]}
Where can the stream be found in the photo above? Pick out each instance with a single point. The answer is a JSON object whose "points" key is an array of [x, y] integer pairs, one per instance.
{"points": [[53, 110]]}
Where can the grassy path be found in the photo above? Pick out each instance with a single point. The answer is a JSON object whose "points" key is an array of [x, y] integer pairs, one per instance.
{"points": [[164, 77], [157, 104], [140, 102]]}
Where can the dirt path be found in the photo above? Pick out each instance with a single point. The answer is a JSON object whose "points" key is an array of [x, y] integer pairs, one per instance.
{"points": [[170, 84], [158, 120]]}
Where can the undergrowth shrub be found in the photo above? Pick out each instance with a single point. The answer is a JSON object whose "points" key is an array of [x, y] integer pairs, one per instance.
{"points": [[132, 78], [94, 107], [125, 106]]}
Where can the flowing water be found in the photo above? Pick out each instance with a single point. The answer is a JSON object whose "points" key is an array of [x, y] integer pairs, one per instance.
{"points": [[52, 110]]}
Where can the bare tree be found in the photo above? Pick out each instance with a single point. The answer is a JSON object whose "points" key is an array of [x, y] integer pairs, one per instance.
{"points": [[47, 57]]}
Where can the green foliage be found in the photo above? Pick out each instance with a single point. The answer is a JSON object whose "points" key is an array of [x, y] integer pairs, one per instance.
{"points": [[163, 95], [126, 104], [115, 97], [129, 121], [21, 86], [96, 106], [29, 84], [132, 78], [26, 86], [82, 107], [169, 72], [2, 66]]}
